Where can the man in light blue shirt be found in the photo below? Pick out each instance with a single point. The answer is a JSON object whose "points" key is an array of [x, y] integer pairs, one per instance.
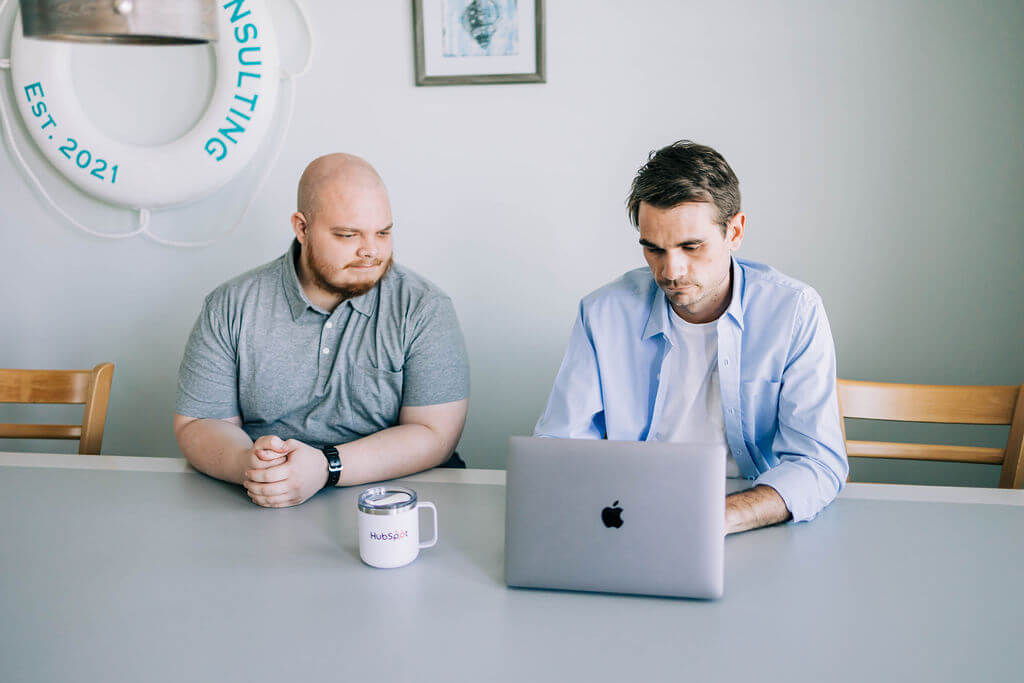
{"points": [[702, 346]]}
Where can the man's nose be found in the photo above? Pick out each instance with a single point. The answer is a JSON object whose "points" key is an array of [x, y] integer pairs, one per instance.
{"points": [[368, 249], [675, 267]]}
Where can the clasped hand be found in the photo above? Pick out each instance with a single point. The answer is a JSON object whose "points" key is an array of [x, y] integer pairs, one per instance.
{"points": [[283, 473]]}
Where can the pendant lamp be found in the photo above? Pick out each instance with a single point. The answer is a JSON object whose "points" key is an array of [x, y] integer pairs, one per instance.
{"points": [[126, 22]]}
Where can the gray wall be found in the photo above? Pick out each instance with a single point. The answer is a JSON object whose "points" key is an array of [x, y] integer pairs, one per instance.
{"points": [[879, 147]]}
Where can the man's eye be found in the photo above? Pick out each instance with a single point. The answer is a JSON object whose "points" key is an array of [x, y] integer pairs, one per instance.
{"points": [[654, 250], [691, 247]]}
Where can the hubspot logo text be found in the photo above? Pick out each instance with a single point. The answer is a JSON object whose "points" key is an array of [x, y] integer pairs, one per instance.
{"points": [[389, 535]]}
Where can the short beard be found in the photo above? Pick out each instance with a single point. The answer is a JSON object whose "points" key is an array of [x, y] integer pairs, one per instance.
{"points": [[707, 293], [317, 269]]}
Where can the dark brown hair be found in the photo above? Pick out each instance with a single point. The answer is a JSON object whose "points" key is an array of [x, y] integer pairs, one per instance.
{"points": [[685, 172]]}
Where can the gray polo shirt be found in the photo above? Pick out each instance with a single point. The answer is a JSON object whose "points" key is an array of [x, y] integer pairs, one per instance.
{"points": [[260, 350]]}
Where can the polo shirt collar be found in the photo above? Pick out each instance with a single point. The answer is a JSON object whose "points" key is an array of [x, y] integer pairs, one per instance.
{"points": [[366, 303], [298, 302], [657, 319]]}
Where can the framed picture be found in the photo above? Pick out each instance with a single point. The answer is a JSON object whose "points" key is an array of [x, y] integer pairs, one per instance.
{"points": [[478, 41]]}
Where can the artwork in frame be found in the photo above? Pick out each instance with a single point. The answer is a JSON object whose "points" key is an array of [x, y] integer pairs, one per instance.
{"points": [[461, 42]]}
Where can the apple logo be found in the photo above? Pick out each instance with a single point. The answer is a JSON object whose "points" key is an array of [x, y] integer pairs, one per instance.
{"points": [[612, 516]]}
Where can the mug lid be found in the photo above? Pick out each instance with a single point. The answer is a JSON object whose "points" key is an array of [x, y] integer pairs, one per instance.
{"points": [[386, 500]]}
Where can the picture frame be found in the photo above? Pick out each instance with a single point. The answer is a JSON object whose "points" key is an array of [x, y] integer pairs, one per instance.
{"points": [[474, 42]]}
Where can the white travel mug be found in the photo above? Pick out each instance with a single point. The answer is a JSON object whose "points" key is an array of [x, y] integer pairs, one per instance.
{"points": [[389, 526]]}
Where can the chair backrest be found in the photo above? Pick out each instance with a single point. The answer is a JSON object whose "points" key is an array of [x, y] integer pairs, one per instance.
{"points": [[88, 387], [988, 405]]}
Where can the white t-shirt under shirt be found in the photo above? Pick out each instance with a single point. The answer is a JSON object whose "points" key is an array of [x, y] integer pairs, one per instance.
{"points": [[691, 409]]}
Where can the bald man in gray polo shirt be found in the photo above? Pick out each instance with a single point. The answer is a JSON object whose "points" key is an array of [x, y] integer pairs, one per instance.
{"points": [[328, 365]]}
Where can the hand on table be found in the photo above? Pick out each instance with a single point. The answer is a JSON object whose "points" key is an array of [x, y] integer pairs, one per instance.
{"points": [[268, 451], [287, 472]]}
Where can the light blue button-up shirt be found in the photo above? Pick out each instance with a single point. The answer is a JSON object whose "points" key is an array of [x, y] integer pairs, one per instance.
{"points": [[776, 366]]}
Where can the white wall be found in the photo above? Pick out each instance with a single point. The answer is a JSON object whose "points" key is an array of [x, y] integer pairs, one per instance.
{"points": [[879, 147]]}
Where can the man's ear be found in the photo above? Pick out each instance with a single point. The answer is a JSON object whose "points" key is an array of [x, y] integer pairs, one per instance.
{"points": [[734, 231], [300, 226]]}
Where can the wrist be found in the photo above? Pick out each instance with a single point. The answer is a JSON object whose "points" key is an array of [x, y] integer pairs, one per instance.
{"points": [[730, 517], [332, 466], [244, 462]]}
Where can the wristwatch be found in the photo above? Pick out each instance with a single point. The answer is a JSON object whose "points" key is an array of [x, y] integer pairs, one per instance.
{"points": [[334, 466]]}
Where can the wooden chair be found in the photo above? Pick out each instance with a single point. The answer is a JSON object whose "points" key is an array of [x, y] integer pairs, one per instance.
{"points": [[89, 387], [990, 405]]}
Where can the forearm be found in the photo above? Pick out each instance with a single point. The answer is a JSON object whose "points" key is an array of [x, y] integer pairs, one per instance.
{"points": [[216, 447], [394, 452], [754, 508]]}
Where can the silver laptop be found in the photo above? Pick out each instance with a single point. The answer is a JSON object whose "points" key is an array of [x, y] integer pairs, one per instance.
{"points": [[615, 516]]}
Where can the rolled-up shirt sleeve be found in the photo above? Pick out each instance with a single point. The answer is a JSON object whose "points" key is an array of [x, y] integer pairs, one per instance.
{"points": [[575, 409], [809, 441], [208, 375]]}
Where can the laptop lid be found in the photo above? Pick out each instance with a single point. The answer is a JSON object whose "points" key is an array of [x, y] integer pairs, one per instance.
{"points": [[615, 516]]}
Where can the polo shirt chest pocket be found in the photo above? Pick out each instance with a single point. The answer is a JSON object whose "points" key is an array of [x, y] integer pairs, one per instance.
{"points": [[376, 394]]}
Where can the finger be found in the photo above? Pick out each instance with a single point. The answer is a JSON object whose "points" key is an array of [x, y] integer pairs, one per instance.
{"points": [[266, 456], [269, 442], [269, 474], [275, 489], [292, 445], [257, 463], [282, 501]]}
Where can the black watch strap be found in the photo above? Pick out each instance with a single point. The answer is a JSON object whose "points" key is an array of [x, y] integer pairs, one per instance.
{"points": [[334, 466]]}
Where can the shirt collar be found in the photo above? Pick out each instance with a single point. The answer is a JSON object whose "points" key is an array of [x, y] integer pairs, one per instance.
{"points": [[298, 302], [735, 310], [658, 322], [366, 303]]}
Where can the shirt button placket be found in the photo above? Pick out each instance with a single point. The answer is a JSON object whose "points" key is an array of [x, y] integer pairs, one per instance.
{"points": [[324, 357], [659, 398], [731, 385]]}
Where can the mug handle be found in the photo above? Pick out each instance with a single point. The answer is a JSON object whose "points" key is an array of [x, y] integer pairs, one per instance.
{"points": [[426, 504]]}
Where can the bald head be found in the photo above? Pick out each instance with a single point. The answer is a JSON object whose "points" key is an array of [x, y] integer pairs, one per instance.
{"points": [[338, 178]]}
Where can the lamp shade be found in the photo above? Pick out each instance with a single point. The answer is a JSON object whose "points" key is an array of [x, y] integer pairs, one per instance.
{"points": [[133, 22]]}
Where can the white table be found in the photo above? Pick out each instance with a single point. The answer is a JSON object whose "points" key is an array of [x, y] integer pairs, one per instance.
{"points": [[141, 569]]}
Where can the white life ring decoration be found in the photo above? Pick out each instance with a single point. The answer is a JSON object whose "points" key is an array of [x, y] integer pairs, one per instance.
{"points": [[203, 160]]}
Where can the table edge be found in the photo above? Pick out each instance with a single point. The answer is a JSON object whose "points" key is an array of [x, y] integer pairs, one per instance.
{"points": [[853, 490]]}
